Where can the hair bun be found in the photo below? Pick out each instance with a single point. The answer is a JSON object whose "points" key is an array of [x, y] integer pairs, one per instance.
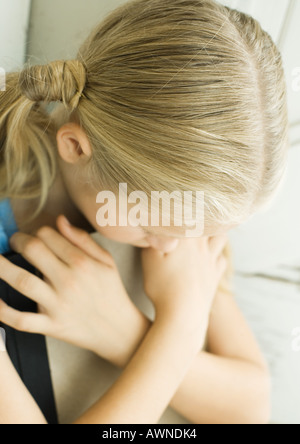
{"points": [[58, 81]]}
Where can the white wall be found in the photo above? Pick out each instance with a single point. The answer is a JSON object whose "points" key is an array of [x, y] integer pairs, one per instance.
{"points": [[291, 56], [267, 248], [270, 13], [58, 27], [14, 17]]}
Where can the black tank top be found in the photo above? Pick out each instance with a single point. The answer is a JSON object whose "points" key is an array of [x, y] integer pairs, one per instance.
{"points": [[27, 351]]}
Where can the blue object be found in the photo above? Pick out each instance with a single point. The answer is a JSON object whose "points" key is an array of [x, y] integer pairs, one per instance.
{"points": [[8, 225]]}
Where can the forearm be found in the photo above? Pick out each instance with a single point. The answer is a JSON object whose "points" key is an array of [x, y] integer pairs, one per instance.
{"points": [[150, 380], [219, 390], [138, 327], [16, 404], [228, 385]]}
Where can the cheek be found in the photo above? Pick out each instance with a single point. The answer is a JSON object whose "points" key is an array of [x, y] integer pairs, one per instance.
{"points": [[128, 235]]}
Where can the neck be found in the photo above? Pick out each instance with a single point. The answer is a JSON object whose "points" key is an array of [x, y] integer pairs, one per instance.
{"points": [[58, 202]]}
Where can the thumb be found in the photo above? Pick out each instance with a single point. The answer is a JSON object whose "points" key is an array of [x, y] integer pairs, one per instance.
{"points": [[151, 255]]}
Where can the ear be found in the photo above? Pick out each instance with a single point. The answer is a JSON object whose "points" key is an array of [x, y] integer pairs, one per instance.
{"points": [[73, 144]]}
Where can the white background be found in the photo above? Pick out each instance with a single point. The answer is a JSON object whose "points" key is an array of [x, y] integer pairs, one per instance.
{"points": [[14, 16]]}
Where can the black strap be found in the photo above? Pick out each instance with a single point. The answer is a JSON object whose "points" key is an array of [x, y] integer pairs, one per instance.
{"points": [[28, 352]]}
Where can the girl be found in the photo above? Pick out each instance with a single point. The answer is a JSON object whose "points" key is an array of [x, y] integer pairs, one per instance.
{"points": [[174, 95]]}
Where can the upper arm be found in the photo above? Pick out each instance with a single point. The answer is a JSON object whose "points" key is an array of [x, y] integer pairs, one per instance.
{"points": [[229, 333]]}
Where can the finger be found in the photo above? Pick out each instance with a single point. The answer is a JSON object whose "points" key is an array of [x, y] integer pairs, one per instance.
{"points": [[84, 242], [61, 247], [217, 244], [24, 282], [222, 265], [34, 250], [23, 321]]}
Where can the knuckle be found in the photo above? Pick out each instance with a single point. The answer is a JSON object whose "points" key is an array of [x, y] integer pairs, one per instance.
{"points": [[23, 282], [147, 289], [80, 261], [20, 322], [44, 232], [223, 239], [70, 285], [223, 263], [84, 236], [32, 246]]}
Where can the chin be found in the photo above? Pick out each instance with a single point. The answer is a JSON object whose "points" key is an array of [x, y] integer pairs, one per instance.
{"points": [[138, 244]]}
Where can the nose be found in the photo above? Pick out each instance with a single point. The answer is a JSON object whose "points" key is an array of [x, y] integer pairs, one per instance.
{"points": [[162, 244]]}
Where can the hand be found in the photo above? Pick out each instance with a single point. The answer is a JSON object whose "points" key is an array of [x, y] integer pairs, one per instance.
{"points": [[82, 299], [184, 282]]}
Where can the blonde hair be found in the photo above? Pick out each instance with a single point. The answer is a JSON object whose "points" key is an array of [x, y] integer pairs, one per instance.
{"points": [[173, 95]]}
